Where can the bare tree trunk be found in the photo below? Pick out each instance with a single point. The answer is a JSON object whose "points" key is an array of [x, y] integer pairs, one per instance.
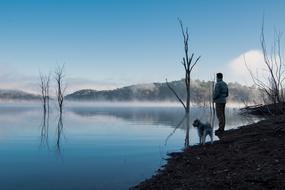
{"points": [[212, 104], [188, 96], [59, 75]]}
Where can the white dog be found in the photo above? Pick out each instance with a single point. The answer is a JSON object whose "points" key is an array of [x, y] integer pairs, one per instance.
{"points": [[204, 129]]}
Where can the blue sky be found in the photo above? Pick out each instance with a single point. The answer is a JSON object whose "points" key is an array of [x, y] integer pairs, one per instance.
{"points": [[111, 43]]}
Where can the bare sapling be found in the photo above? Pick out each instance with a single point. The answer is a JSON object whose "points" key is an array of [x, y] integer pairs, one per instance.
{"points": [[44, 88], [60, 89]]}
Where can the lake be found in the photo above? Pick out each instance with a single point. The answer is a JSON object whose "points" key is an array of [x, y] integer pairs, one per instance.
{"points": [[92, 146]]}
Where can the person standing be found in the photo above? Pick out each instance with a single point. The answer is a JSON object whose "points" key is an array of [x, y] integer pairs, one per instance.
{"points": [[220, 95]]}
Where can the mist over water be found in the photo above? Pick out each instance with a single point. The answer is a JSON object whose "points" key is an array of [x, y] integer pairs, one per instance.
{"points": [[93, 146]]}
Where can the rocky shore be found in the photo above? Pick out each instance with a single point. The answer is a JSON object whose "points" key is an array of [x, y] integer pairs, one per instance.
{"points": [[250, 157]]}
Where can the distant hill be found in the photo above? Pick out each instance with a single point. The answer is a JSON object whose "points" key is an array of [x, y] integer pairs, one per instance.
{"points": [[200, 93], [17, 95]]}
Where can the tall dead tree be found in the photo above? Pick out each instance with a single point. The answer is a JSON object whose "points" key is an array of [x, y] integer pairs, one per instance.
{"points": [[273, 83], [188, 64], [59, 76]]}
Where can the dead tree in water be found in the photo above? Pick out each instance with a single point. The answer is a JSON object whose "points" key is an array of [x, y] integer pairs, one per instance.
{"points": [[44, 87], [59, 75], [188, 64]]}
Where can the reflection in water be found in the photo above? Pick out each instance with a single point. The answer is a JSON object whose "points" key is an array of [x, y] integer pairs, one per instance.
{"points": [[45, 130], [187, 139], [185, 120], [44, 134], [177, 127], [122, 144], [169, 116], [59, 134]]}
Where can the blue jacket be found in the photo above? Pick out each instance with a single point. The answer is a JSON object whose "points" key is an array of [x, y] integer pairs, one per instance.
{"points": [[221, 92]]}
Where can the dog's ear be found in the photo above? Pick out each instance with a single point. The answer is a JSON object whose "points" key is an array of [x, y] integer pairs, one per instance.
{"points": [[198, 121]]}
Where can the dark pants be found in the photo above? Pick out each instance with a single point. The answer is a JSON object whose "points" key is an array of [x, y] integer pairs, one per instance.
{"points": [[220, 109]]}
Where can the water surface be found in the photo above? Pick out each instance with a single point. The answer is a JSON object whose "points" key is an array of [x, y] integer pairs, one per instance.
{"points": [[94, 147]]}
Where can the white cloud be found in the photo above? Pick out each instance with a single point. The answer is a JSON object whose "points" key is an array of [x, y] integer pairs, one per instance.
{"points": [[237, 68]]}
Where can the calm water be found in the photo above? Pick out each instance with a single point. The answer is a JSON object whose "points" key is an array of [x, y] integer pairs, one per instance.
{"points": [[96, 147]]}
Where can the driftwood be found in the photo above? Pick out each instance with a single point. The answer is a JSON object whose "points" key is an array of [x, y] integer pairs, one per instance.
{"points": [[265, 110]]}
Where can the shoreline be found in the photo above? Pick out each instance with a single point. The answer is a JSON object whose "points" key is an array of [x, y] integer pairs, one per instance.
{"points": [[250, 157]]}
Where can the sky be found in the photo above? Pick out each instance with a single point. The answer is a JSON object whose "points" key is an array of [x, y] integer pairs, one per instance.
{"points": [[106, 44]]}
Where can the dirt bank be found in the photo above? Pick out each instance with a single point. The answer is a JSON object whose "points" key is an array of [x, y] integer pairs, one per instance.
{"points": [[251, 157]]}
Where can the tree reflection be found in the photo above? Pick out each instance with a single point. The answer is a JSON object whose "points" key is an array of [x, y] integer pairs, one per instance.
{"points": [[44, 142], [176, 127], [187, 139], [184, 121], [44, 133], [59, 131]]}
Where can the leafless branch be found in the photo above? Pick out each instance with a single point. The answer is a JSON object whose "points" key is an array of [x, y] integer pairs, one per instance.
{"points": [[174, 92]]}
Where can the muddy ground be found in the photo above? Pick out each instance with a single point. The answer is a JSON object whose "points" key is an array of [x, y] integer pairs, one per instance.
{"points": [[251, 157]]}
